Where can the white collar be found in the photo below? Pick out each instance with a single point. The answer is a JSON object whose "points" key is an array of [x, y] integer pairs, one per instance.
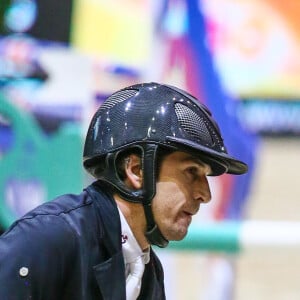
{"points": [[130, 247]]}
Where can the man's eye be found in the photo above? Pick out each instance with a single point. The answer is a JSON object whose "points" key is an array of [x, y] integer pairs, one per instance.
{"points": [[192, 172]]}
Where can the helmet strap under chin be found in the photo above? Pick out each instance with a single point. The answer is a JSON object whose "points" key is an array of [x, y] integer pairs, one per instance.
{"points": [[153, 233]]}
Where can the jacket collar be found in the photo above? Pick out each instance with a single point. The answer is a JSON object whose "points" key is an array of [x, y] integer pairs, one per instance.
{"points": [[110, 274]]}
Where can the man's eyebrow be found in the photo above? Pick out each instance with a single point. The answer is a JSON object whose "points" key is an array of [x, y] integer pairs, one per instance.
{"points": [[198, 161]]}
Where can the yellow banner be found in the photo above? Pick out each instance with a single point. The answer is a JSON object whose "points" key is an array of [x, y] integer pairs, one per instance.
{"points": [[119, 31]]}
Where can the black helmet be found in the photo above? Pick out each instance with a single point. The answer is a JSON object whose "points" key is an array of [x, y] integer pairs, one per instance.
{"points": [[150, 116]]}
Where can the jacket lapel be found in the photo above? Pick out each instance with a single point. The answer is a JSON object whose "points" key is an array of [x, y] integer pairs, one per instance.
{"points": [[110, 278]]}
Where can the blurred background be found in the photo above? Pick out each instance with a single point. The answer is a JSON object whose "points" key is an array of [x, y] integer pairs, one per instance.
{"points": [[59, 60]]}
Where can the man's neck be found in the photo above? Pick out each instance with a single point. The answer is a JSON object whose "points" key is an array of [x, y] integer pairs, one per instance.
{"points": [[134, 215]]}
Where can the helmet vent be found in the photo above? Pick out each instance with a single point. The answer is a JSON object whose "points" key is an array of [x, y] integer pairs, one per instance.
{"points": [[193, 124], [117, 98]]}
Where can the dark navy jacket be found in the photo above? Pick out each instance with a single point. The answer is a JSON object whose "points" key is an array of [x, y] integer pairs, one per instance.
{"points": [[70, 248]]}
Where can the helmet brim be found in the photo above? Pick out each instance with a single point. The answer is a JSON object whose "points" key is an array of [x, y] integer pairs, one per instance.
{"points": [[219, 162]]}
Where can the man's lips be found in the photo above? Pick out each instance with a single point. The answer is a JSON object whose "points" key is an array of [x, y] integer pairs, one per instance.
{"points": [[191, 211], [188, 213], [188, 216]]}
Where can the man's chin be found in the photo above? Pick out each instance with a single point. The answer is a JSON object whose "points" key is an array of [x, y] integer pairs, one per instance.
{"points": [[178, 236]]}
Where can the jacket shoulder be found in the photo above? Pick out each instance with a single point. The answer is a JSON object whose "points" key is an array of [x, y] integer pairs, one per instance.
{"points": [[55, 241]]}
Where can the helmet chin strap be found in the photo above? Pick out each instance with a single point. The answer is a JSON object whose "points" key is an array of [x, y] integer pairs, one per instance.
{"points": [[153, 233], [144, 195]]}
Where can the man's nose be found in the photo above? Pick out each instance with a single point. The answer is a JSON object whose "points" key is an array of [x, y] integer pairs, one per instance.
{"points": [[202, 190]]}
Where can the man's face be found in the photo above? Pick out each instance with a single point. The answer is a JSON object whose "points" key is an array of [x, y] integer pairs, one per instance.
{"points": [[182, 186]]}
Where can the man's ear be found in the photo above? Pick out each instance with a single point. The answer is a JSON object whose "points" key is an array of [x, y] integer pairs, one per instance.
{"points": [[133, 171]]}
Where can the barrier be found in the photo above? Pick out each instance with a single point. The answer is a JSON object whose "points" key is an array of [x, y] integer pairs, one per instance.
{"points": [[233, 237], [36, 168]]}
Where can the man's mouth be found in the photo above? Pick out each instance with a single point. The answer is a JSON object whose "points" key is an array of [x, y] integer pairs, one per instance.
{"points": [[187, 216]]}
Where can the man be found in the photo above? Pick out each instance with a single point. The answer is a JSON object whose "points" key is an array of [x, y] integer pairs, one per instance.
{"points": [[151, 148]]}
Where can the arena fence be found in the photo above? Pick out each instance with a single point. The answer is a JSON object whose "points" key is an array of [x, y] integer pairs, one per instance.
{"points": [[233, 237]]}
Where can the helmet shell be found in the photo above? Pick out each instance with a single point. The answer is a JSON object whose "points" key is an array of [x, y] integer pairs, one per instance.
{"points": [[157, 114]]}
